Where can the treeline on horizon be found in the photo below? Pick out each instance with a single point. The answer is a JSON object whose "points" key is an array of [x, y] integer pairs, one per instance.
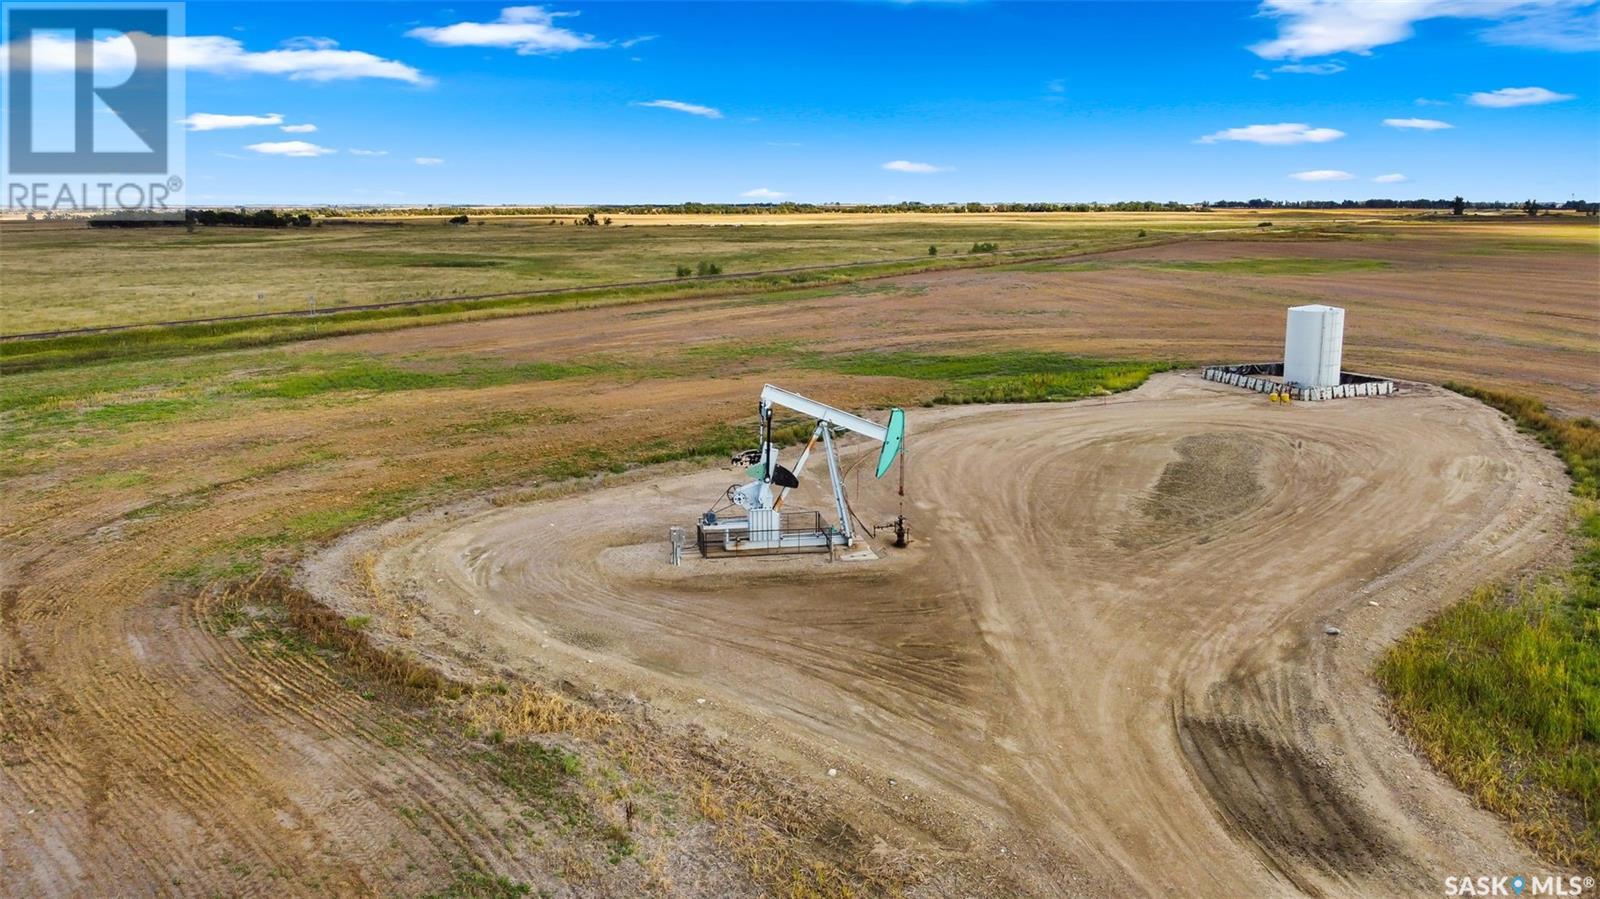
{"points": [[302, 216], [240, 218], [912, 206]]}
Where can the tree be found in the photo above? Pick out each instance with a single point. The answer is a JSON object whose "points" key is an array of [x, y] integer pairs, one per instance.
{"points": [[1458, 206], [1531, 207], [458, 220], [933, 250], [684, 271]]}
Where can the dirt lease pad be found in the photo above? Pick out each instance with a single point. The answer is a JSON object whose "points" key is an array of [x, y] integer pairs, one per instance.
{"points": [[1105, 658]]}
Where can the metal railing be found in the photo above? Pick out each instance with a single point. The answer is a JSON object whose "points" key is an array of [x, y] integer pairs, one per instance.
{"points": [[716, 540]]}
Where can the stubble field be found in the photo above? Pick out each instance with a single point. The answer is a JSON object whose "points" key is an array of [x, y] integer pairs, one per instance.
{"points": [[65, 275]]}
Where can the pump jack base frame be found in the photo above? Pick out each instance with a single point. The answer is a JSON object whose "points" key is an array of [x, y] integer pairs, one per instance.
{"points": [[797, 532]]}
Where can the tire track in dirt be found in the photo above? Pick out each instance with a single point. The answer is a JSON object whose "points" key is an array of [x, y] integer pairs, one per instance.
{"points": [[1124, 604], [129, 776], [144, 747]]}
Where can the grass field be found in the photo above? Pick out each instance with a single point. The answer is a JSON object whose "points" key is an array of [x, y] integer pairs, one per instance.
{"points": [[169, 340], [146, 488], [76, 277], [65, 275]]}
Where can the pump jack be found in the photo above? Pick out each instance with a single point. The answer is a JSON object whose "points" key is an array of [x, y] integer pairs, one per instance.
{"points": [[765, 527]]}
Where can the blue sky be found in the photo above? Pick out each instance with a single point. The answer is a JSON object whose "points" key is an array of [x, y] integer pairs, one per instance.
{"points": [[874, 102]]}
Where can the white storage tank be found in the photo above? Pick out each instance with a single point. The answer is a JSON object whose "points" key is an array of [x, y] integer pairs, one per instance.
{"points": [[1313, 346]]}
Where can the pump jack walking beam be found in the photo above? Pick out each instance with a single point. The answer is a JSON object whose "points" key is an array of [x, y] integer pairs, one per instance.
{"points": [[777, 396]]}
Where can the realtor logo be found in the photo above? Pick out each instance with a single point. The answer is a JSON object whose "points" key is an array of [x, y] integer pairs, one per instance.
{"points": [[91, 108]]}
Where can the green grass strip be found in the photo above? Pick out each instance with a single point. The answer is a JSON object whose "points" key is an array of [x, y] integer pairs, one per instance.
{"points": [[1502, 690]]}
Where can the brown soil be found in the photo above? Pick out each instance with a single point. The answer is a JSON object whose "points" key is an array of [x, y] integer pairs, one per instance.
{"points": [[1215, 476], [1445, 308], [1114, 715]]}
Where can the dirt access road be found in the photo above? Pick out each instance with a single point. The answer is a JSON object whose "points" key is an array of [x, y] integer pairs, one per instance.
{"points": [[1104, 661]]}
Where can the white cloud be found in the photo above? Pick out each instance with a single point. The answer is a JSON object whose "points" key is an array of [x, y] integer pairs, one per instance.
{"points": [[428, 160], [1517, 96], [762, 193], [1333, 67], [1424, 101], [1323, 27], [307, 42], [1260, 75], [1558, 26], [913, 168], [307, 128], [1395, 178], [290, 148], [709, 112], [532, 30], [215, 121], [1418, 124], [355, 152], [226, 56], [636, 41], [1322, 175], [1276, 135]]}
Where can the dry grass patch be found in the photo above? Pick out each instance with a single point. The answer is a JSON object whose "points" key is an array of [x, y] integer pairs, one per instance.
{"points": [[526, 709]]}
